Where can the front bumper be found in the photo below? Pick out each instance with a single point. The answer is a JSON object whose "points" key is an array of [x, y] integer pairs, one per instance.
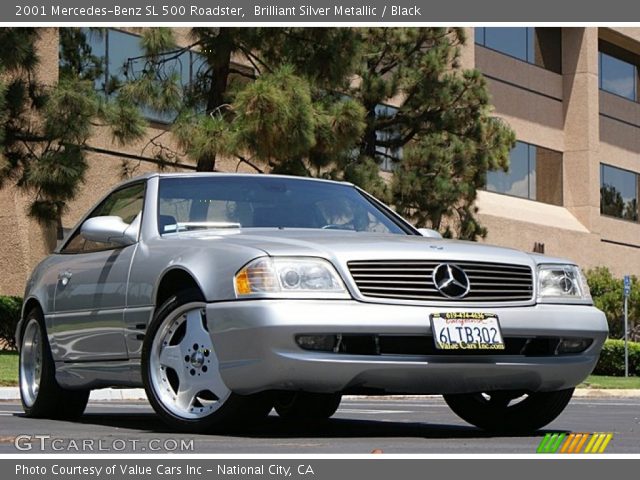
{"points": [[256, 347]]}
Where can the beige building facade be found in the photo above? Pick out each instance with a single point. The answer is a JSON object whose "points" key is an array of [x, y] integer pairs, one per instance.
{"points": [[570, 94]]}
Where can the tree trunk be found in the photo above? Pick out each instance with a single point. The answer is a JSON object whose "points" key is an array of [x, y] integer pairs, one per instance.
{"points": [[368, 146], [207, 164], [219, 59]]}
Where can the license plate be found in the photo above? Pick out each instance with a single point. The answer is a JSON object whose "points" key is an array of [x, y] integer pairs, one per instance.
{"points": [[466, 331]]}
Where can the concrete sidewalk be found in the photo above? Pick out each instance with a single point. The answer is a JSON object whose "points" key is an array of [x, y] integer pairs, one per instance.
{"points": [[120, 394], [101, 395]]}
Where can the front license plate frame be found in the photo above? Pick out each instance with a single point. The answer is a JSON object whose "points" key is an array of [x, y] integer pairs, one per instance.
{"points": [[466, 331]]}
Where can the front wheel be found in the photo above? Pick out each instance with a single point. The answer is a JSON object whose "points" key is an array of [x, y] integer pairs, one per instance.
{"points": [[509, 412], [180, 371], [40, 393]]}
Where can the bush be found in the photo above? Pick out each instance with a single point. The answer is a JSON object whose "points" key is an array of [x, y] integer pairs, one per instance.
{"points": [[612, 359], [607, 293], [9, 316]]}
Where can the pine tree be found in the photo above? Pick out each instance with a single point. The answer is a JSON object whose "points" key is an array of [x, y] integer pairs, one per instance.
{"points": [[325, 102], [271, 98], [337, 103], [44, 128], [440, 135]]}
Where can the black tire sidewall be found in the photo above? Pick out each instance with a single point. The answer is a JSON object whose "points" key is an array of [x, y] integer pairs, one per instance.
{"points": [[533, 413], [52, 401]]}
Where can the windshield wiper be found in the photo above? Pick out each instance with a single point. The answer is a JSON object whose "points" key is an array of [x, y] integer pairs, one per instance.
{"points": [[184, 226]]}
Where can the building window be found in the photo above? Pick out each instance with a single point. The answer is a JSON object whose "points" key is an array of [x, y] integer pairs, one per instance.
{"points": [[388, 156], [538, 46], [534, 173], [618, 193], [618, 71], [123, 59]]}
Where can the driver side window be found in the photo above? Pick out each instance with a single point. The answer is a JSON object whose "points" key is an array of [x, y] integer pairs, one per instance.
{"points": [[125, 203]]}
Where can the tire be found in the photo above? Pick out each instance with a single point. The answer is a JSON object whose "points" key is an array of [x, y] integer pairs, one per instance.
{"points": [[40, 393], [306, 406], [181, 375], [501, 412]]}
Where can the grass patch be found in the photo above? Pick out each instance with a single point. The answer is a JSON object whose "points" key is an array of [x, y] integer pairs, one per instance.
{"points": [[601, 381], [8, 368]]}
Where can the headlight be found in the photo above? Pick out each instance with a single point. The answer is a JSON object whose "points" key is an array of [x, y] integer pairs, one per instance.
{"points": [[285, 276], [561, 283]]}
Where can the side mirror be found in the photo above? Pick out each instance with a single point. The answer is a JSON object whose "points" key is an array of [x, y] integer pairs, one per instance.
{"points": [[110, 229], [428, 232]]}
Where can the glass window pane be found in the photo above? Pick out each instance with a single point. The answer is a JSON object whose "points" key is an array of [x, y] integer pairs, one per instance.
{"points": [[509, 40], [479, 35], [125, 203], [516, 180], [387, 154], [617, 76], [531, 45], [532, 150], [618, 193], [268, 202], [123, 48], [93, 65]]}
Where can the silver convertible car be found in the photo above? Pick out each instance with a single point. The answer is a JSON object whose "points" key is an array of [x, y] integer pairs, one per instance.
{"points": [[228, 295]]}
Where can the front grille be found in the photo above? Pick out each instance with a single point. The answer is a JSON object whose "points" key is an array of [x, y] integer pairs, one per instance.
{"points": [[413, 280]]}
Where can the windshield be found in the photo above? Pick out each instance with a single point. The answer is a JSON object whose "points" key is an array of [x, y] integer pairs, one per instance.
{"points": [[263, 201]]}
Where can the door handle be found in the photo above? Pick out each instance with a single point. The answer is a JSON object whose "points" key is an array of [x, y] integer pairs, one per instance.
{"points": [[64, 277]]}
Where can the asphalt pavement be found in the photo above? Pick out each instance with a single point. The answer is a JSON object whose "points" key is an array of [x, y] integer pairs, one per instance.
{"points": [[361, 425]]}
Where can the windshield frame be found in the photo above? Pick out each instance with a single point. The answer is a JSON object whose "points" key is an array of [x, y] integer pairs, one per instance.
{"points": [[404, 226]]}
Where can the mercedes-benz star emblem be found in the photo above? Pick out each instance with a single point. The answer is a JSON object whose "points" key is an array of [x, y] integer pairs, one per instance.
{"points": [[451, 281]]}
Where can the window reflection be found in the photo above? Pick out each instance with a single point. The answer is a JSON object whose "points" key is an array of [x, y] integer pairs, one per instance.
{"points": [[535, 45], [618, 76], [123, 59], [387, 154], [534, 173], [618, 193], [512, 41]]}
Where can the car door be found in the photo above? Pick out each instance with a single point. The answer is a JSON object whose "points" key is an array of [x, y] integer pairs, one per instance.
{"points": [[90, 294]]}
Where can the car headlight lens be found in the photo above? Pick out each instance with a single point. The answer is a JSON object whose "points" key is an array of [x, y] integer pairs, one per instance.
{"points": [[562, 282], [287, 275]]}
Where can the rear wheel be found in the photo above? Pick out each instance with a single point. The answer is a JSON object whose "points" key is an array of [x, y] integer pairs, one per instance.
{"points": [[40, 393], [180, 371], [509, 411], [303, 405]]}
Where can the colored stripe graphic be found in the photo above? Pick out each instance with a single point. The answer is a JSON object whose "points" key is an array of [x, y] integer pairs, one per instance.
{"points": [[574, 443], [551, 442]]}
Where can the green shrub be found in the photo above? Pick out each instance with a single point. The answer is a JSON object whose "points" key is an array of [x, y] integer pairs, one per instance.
{"points": [[612, 359], [607, 293], [9, 317]]}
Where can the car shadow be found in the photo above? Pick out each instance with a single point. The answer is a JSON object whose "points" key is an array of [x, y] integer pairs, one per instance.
{"points": [[277, 428]]}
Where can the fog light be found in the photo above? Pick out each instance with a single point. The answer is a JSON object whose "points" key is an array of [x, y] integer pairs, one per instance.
{"points": [[574, 345], [323, 343]]}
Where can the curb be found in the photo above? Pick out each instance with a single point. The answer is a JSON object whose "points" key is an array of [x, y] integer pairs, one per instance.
{"points": [[101, 395], [606, 393], [122, 394]]}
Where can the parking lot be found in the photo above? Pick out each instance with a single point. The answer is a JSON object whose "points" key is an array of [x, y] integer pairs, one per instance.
{"points": [[362, 425]]}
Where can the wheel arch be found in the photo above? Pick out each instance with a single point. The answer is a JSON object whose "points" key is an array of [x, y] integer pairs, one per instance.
{"points": [[28, 305], [173, 280]]}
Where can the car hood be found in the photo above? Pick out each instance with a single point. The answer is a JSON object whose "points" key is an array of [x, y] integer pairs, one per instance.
{"points": [[345, 246]]}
